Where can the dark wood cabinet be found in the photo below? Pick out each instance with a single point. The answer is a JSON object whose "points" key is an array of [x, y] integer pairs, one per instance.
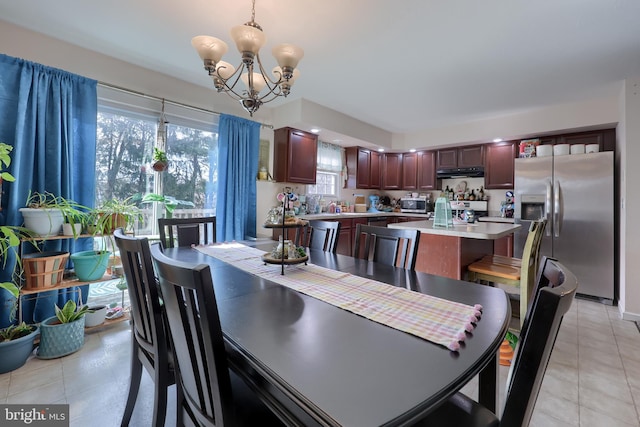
{"points": [[426, 164], [392, 165], [295, 156], [410, 171], [461, 157], [363, 168], [499, 165], [582, 138], [447, 158], [471, 156], [606, 139], [375, 171]]}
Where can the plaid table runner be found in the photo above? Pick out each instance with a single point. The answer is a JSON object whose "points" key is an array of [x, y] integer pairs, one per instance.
{"points": [[435, 319]]}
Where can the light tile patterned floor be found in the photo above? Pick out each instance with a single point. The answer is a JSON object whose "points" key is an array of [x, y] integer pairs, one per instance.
{"points": [[593, 378]]}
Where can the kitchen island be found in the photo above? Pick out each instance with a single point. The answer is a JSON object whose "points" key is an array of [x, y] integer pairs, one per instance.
{"points": [[448, 251]]}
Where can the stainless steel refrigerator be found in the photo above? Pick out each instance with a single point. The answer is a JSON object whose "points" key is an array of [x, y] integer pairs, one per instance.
{"points": [[576, 195]]}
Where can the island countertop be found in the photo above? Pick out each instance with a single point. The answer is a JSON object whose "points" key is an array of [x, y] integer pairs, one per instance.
{"points": [[477, 230]]}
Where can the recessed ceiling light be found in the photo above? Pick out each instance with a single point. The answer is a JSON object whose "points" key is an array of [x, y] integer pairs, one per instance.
{"points": [[381, 149], [497, 140], [413, 150], [315, 130]]}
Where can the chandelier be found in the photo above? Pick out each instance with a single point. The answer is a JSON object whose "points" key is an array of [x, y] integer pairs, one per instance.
{"points": [[249, 38]]}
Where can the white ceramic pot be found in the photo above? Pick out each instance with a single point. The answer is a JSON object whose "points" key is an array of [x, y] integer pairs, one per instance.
{"points": [[561, 149], [577, 149], [544, 150], [592, 148], [97, 317], [43, 222], [68, 229]]}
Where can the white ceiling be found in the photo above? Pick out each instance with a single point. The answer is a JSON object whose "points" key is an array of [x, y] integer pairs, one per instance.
{"points": [[401, 65]]}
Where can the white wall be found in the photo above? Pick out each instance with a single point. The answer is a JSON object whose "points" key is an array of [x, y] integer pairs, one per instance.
{"points": [[629, 176], [623, 107]]}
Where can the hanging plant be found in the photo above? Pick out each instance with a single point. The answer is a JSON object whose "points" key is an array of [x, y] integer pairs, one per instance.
{"points": [[160, 161]]}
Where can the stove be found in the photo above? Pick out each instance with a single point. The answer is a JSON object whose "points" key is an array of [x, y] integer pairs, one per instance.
{"points": [[478, 206]]}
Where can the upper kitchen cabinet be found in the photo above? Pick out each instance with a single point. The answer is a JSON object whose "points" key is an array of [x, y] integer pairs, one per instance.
{"points": [[426, 170], [392, 165], [499, 164], [471, 156], [410, 171], [461, 157], [606, 139], [295, 156], [363, 168]]}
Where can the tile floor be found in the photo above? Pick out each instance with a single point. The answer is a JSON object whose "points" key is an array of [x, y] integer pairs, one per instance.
{"points": [[593, 378]]}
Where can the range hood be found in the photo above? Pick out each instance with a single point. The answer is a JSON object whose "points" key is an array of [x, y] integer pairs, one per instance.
{"points": [[472, 172]]}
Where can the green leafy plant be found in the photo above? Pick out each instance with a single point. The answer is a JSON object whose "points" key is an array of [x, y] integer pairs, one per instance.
{"points": [[160, 160], [14, 332], [159, 155], [170, 203], [115, 213], [10, 235], [69, 314]]}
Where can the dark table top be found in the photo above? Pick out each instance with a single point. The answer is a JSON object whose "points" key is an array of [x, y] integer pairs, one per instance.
{"points": [[328, 366]]}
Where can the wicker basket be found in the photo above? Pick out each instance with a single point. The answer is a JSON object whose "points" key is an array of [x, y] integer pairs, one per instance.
{"points": [[44, 269]]}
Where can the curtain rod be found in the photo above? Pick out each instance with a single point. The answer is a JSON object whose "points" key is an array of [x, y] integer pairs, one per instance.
{"points": [[157, 98]]}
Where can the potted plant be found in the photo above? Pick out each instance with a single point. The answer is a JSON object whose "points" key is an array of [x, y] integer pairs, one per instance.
{"points": [[115, 213], [90, 265], [62, 334], [16, 345], [170, 203], [160, 161], [45, 213]]}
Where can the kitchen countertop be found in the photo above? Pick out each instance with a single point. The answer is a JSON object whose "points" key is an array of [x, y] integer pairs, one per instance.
{"points": [[478, 230], [496, 219], [345, 215]]}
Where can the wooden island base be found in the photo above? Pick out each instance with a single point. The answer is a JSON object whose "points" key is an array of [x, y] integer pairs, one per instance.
{"points": [[449, 251], [449, 256]]}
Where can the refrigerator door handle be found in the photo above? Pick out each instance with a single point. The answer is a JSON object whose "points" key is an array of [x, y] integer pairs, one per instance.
{"points": [[557, 212], [547, 208]]}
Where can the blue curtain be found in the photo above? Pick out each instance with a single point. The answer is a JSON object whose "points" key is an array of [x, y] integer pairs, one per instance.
{"points": [[49, 116], [238, 146]]}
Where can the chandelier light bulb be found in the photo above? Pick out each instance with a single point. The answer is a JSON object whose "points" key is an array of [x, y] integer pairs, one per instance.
{"points": [[248, 39], [287, 55], [210, 49]]}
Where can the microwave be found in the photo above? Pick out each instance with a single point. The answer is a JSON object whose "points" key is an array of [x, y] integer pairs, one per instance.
{"points": [[415, 205]]}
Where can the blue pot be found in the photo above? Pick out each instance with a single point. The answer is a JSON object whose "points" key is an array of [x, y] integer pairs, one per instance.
{"points": [[90, 265], [60, 339], [14, 353]]}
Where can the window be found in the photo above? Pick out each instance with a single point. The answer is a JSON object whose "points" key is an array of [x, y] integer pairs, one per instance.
{"points": [[125, 140], [330, 163], [326, 184]]}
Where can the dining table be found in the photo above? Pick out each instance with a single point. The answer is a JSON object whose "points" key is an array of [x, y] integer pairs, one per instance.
{"points": [[316, 364]]}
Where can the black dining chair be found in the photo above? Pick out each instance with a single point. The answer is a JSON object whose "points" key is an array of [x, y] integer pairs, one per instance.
{"points": [[555, 291], [324, 235], [187, 231], [209, 393], [150, 346], [394, 246]]}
